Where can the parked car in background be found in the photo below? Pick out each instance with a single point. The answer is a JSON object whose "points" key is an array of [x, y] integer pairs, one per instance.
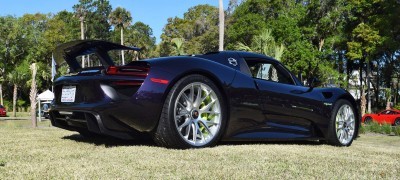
{"points": [[44, 111], [387, 116], [3, 112]]}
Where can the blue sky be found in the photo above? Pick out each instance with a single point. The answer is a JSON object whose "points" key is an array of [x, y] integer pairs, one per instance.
{"points": [[152, 12]]}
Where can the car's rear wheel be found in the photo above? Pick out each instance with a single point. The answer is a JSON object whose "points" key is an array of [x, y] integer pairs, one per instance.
{"points": [[397, 122], [368, 120], [193, 114], [342, 127]]}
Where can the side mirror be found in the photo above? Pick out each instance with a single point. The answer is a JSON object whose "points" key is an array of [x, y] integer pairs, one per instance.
{"points": [[313, 82]]}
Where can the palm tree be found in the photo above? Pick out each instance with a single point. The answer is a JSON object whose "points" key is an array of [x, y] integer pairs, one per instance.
{"points": [[81, 11], [264, 43], [17, 78], [221, 25], [120, 18], [32, 95], [1, 90], [178, 42]]}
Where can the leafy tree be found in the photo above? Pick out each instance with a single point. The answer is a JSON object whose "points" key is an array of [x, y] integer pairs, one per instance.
{"points": [[138, 35], [12, 47], [199, 28]]}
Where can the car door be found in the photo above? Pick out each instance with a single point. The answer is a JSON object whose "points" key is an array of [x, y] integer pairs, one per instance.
{"points": [[386, 116], [287, 107]]}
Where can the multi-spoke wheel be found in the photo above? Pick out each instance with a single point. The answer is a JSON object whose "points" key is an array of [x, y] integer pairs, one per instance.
{"points": [[197, 113], [342, 128], [193, 114]]}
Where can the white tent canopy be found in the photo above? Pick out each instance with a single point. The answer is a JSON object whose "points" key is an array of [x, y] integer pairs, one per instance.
{"points": [[44, 97]]}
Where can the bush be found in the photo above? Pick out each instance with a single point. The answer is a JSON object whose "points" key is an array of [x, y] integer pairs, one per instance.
{"points": [[396, 130], [7, 104], [397, 106], [386, 128], [362, 129], [374, 127]]}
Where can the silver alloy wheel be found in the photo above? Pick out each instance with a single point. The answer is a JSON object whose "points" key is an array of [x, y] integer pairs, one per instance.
{"points": [[197, 114], [345, 124]]}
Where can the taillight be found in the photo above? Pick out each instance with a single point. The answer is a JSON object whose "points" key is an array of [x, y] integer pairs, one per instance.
{"points": [[127, 70], [157, 80]]}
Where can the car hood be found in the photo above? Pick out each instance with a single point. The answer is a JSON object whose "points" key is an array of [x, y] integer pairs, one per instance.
{"points": [[68, 52]]}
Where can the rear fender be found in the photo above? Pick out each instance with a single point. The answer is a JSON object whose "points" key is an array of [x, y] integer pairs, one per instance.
{"points": [[175, 69]]}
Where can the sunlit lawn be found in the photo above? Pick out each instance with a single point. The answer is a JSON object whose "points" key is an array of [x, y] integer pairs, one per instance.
{"points": [[52, 153]]}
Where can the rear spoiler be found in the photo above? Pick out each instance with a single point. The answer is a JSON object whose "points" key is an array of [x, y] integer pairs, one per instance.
{"points": [[68, 52]]}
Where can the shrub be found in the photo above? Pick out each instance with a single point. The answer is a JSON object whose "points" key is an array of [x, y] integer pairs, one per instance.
{"points": [[362, 129], [396, 130], [7, 104], [374, 127], [386, 128]]}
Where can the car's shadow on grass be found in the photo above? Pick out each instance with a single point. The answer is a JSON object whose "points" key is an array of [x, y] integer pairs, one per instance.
{"points": [[274, 142], [114, 142], [110, 141]]}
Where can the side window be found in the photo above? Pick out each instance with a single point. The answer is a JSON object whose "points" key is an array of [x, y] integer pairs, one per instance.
{"points": [[268, 71]]}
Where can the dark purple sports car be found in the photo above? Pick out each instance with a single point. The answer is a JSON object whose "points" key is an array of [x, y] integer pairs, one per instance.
{"points": [[195, 101]]}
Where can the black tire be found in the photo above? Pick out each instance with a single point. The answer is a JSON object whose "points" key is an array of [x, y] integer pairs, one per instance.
{"points": [[368, 120], [397, 122], [166, 134], [332, 136]]}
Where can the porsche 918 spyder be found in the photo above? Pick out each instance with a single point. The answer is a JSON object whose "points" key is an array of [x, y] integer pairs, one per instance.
{"points": [[195, 101]]}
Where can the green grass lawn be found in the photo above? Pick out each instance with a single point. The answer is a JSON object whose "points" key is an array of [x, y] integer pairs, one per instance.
{"points": [[50, 153]]}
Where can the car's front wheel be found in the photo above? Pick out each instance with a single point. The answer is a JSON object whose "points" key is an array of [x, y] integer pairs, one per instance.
{"points": [[397, 122], [193, 114], [342, 127]]}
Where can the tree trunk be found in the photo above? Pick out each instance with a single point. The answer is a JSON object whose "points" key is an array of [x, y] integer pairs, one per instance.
{"points": [[377, 89], [1, 94], [221, 25], [368, 87], [122, 43], [32, 96], [363, 103], [82, 37], [396, 88], [388, 105], [361, 77], [321, 43], [14, 114], [348, 74]]}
